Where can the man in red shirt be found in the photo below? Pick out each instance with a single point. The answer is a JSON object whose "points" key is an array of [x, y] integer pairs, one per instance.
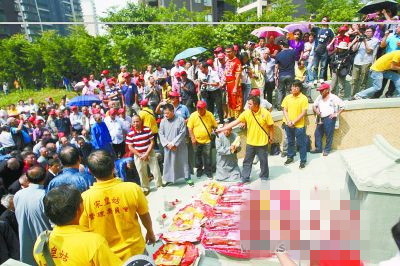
{"points": [[273, 48], [140, 142], [233, 71]]}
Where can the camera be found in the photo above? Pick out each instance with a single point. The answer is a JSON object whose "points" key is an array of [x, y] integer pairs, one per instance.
{"points": [[362, 38]]}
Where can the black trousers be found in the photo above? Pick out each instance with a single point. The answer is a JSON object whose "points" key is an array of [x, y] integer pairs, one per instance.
{"points": [[119, 149], [215, 97], [268, 90]]}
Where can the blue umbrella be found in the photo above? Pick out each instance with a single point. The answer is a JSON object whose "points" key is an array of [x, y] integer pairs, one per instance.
{"points": [[84, 100], [189, 52]]}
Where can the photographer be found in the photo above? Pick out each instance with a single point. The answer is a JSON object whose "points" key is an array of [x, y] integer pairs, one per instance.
{"points": [[188, 92], [210, 90], [365, 48]]}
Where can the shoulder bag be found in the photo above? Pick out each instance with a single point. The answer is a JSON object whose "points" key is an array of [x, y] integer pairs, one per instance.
{"points": [[211, 136]]}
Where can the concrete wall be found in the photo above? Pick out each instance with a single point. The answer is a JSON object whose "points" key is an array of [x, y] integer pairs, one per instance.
{"points": [[359, 123]]}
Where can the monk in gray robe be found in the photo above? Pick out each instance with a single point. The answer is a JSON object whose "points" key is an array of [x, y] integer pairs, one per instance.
{"points": [[172, 135], [227, 145]]}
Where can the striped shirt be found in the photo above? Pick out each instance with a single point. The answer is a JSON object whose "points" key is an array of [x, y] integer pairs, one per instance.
{"points": [[112, 90], [140, 140]]}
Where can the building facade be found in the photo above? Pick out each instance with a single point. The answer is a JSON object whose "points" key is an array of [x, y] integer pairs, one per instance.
{"points": [[41, 11], [214, 9]]}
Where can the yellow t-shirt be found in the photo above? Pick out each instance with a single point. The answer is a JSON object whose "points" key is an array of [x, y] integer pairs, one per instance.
{"points": [[300, 73], [148, 119], [111, 209], [74, 245], [165, 91], [198, 128], [295, 106], [255, 135], [384, 62]]}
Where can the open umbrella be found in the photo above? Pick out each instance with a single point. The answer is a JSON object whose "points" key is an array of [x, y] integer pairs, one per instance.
{"points": [[268, 31], [189, 52], [298, 26], [84, 100], [377, 5]]}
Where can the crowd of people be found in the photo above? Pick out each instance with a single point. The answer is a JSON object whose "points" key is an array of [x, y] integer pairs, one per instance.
{"points": [[92, 166]]}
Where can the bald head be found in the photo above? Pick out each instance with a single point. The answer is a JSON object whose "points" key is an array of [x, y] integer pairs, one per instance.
{"points": [[36, 175], [13, 164]]}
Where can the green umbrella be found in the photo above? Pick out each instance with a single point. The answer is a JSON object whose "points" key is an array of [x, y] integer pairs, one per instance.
{"points": [[377, 5]]}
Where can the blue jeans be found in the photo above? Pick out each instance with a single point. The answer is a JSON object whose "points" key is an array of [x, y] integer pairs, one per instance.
{"points": [[309, 72], [262, 154], [327, 127], [203, 157], [246, 92], [300, 135], [377, 79], [285, 82], [320, 60]]}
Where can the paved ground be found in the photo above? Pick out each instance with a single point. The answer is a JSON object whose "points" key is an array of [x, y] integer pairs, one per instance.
{"points": [[321, 174]]}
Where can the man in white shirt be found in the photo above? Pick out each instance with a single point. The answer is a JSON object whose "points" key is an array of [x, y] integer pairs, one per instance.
{"points": [[210, 90], [116, 130], [327, 106], [92, 81], [32, 106], [87, 89], [76, 119], [160, 73], [176, 68], [7, 143]]}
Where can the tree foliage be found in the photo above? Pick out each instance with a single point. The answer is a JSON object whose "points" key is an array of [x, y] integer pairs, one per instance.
{"points": [[51, 56]]}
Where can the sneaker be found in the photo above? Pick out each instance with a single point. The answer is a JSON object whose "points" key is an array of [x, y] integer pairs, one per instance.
{"points": [[199, 173], [283, 154], [321, 81], [315, 151], [315, 82], [356, 97], [325, 153], [190, 182], [166, 184], [243, 182], [210, 177], [289, 161], [302, 165]]}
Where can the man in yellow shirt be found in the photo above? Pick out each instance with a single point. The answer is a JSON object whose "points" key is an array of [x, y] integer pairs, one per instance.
{"points": [[294, 108], [201, 124], [148, 119], [69, 243], [112, 207], [387, 66], [260, 132]]}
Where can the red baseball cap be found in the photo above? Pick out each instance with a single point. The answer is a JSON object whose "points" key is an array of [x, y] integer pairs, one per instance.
{"points": [[95, 111], [183, 73], [31, 119], [37, 121], [126, 74], [52, 112], [343, 28], [324, 86], [121, 111], [210, 62], [100, 85], [73, 108], [144, 102], [113, 111], [105, 72], [218, 49], [236, 47], [110, 81], [174, 94], [201, 104], [177, 74], [181, 62], [255, 92]]}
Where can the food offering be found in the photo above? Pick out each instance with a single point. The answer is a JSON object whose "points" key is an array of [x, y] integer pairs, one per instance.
{"points": [[183, 254]]}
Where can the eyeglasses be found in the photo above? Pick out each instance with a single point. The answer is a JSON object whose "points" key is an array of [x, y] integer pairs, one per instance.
{"points": [[297, 34]]}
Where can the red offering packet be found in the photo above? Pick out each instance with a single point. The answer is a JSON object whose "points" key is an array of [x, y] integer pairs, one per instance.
{"points": [[190, 255]]}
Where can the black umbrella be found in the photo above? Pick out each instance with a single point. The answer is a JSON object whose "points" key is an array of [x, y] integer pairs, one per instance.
{"points": [[377, 5]]}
